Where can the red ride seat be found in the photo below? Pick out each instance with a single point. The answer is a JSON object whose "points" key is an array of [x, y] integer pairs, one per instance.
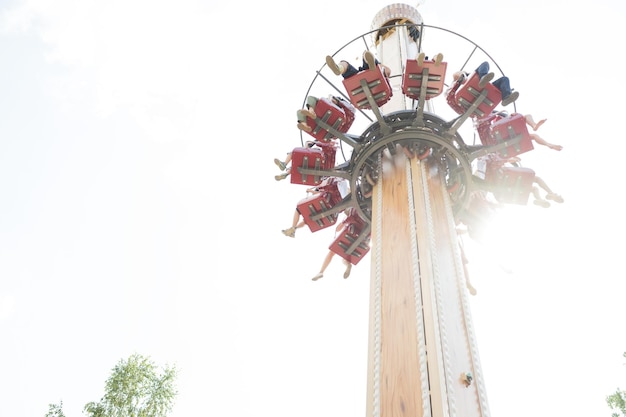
{"points": [[467, 94], [311, 158], [328, 197], [429, 74], [497, 128], [352, 228], [331, 114], [510, 184], [510, 128], [377, 83], [320, 157]]}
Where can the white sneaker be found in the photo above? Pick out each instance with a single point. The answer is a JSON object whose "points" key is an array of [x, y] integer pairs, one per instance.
{"points": [[368, 56], [510, 98], [420, 58], [280, 164], [333, 65], [485, 79], [318, 276]]}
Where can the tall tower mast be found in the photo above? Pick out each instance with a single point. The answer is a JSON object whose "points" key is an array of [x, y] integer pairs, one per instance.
{"points": [[423, 357], [394, 45], [409, 179]]}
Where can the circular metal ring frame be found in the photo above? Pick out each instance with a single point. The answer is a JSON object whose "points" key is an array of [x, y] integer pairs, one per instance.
{"points": [[362, 166]]}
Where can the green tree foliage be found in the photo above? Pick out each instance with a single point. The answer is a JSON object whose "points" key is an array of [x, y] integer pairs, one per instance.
{"points": [[55, 410], [617, 402], [136, 389]]}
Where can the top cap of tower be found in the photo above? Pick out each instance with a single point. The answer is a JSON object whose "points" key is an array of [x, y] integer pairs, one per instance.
{"points": [[394, 13]]}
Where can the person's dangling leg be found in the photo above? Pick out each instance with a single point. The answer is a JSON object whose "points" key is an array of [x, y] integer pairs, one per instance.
{"points": [[508, 96], [484, 75], [325, 264], [539, 200], [291, 232], [503, 85], [483, 69], [282, 176], [283, 165], [348, 265], [344, 68], [541, 141], [531, 122], [551, 195]]}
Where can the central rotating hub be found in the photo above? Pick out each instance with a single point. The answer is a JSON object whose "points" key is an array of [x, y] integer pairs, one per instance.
{"points": [[428, 141]]}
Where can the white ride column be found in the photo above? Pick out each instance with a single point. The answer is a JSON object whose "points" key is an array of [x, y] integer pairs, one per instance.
{"points": [[423, 359]]}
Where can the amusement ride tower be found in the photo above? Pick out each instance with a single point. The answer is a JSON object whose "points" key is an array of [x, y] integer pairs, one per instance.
{"points": [[410, 180]]}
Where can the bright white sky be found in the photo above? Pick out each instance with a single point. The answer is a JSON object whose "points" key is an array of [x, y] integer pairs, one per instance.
{"points": [[139, 211]]}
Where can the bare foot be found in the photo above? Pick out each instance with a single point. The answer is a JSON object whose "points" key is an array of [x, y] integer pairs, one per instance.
{"points": [[556, 147], [538, 124]]}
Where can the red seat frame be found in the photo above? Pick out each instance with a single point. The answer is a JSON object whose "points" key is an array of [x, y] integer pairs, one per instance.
{"points": [[320, 157], [352, 228], [507, 129], [468, 92], [433, 76], [495, 129], [331, 114], [377, 83], [328, 197]]}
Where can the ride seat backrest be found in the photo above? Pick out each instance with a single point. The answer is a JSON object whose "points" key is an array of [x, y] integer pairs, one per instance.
{"points": [[331, 185], [508, 129], [469, 91], [376, 81], [429, 74], [348, 110], [352, 227], [329, 113], [329, 150], [310, 158]]}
